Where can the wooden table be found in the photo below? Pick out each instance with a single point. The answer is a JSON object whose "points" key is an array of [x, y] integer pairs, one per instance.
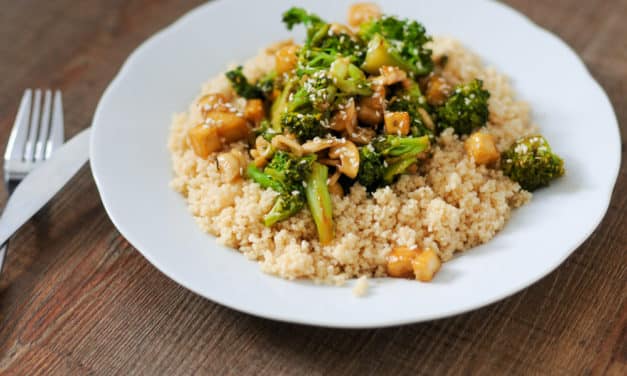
{"points": [[77, 298]]}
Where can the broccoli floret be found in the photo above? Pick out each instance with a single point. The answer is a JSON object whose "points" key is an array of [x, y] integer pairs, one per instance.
{"points": [[285, 206], [466, 109], [285, 174], [401, 43], [400, 153], [411, 100], [371, 168], [316, 92], [319, 202], [348, 78], [242, 87], [398, 146], [387, 157], [295, 16], [280, 106], [304, 126], [323, 44], [289, 170], [265, 130], [266, 83], [310, 107], [531, 162]]}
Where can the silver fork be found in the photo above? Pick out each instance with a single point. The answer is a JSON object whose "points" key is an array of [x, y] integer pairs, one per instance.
{"points": [[36, 133]]}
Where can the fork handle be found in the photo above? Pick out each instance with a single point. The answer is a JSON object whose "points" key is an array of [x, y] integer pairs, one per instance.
{"points": [[3, 253]]}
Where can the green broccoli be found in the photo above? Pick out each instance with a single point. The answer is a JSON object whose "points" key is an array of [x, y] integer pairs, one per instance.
{"points": [[304, 126], [396, 42], [289, 170], [466, 109], [371, 168], [279, 106], [387, 157], [319, 202], [348, 78], [531, 162], [310, 106], [265, 130], [284, 174], [324, 43], [242, 87], [285, 206], [267, 83], [295, 16], [398, 146], [316, 92], [411, 100]]}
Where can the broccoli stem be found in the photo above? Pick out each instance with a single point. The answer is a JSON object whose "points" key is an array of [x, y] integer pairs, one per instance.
{"points": [[397, 168], [284, 207], [319, 202], [262, 178], [279, 106]]}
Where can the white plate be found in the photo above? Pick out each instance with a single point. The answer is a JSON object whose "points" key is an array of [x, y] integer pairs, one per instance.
{"points": [[131, 164]]}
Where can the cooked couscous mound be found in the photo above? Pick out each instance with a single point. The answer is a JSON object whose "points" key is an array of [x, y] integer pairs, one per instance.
{"points": [[452, 198], [450, 205]]}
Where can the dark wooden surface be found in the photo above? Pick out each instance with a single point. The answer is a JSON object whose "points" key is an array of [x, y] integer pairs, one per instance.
{"points": [[76, 298]]}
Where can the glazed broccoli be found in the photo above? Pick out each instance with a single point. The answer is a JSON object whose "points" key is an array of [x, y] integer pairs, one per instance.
{"points": [[265, 130], [371, 168], [266, 83], [304, 126], [324, 42], [285, 206], [309, 107], [284, 174], [466, 109], [396, 42], [316, 92], [386, 157], [242, 87], [349, 78], [411, 100], [296, 16], [398, 146], [279, 106], [319, 202], [531, 162]]}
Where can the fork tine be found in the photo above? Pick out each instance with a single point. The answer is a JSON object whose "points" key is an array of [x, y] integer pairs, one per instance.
{"points": [[42, 137], [29, 149], [56, 137], [17, 139]]}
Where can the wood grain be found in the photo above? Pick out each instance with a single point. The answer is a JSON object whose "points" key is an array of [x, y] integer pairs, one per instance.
{"points": [[76, 298]]}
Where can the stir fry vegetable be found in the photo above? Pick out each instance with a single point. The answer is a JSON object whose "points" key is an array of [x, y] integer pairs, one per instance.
{"points": [[358, 104], [531, 162]]}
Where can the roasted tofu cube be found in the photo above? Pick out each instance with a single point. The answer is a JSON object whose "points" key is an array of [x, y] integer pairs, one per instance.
{"points": [[204, 140]]}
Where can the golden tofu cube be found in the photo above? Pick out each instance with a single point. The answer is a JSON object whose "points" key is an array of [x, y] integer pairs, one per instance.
{"points": [[230, 126], [397, 123], [399, 262], [204, 140], [359, 13], [482, 148], [426, 264], [286, 58], [438, 90], [254, 111], [213, 102]]}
